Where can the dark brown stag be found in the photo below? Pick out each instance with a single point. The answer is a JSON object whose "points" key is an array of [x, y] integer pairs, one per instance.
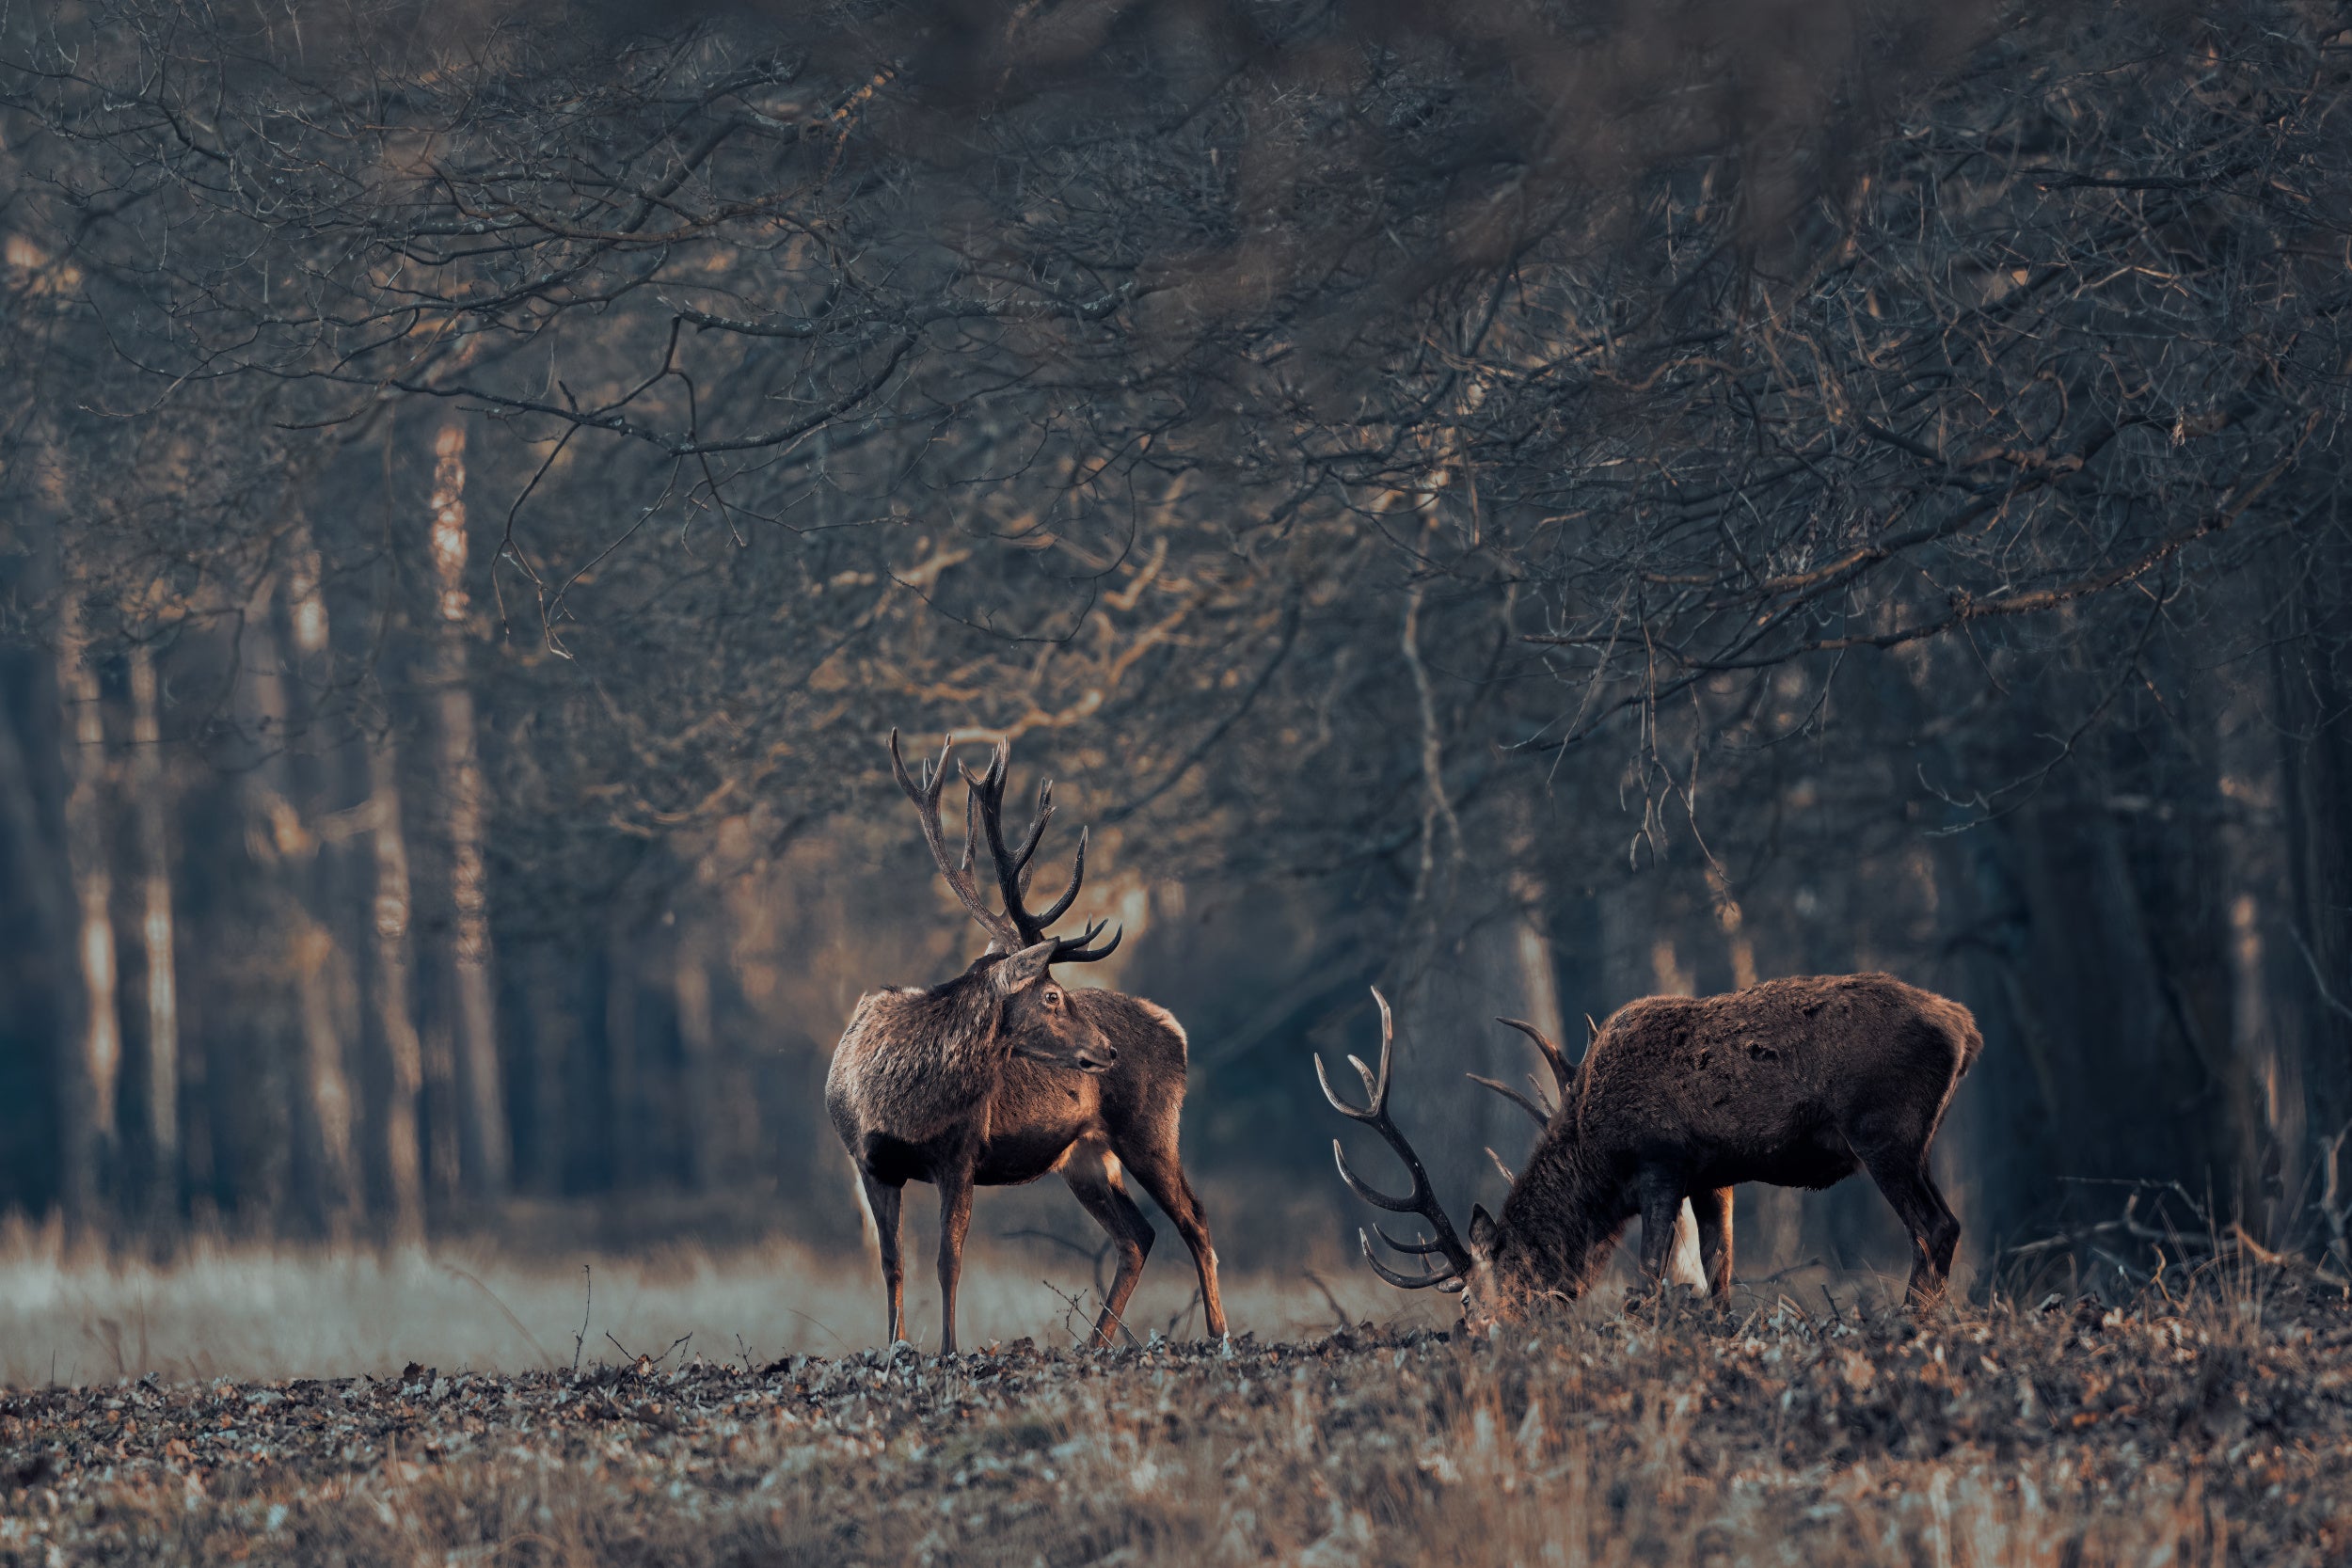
{"points": [[1799, 1083], [1000, 1075]]}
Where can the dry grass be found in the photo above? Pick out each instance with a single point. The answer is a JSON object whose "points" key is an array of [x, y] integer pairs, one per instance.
{"points": [[2215, 1429], [266, 1315]]}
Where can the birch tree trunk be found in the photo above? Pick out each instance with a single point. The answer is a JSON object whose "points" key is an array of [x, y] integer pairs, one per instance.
{"points": [[149, 804], [482, 1118], [321, 1089], [395, 1021], [88, 1134]]}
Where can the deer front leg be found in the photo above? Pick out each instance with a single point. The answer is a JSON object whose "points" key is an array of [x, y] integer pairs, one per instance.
{"points": [[881, 1202], [1662, 1212], [955, 1219]]}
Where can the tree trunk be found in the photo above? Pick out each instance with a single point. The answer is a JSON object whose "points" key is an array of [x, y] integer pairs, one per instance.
{"points": [[625, 1144], [96, 1061], [395, 1021], [2315, 778], [45, 887], [700, 1150], [321, 1089], [482, 1116], [150, 802], [550, 987]]}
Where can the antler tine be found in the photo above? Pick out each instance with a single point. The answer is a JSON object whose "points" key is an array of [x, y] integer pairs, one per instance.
{"points": [[1341, 1106], [1060, 906], [1078, 949], [925, 792], [1032, 835], [986, 799], [1441, 1278], [1411, 1203], [1533, 1107], [1388, 1051], [1415, 1247], [1563, 1071], [925, 798], [971, 832], [1038, 818], [1423, 1199]]}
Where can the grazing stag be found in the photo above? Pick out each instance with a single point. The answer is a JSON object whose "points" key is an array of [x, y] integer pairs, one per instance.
{"points": [[1798, 1082], [1000, 1075]]}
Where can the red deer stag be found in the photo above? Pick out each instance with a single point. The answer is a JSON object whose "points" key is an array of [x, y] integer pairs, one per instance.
{"points": [[1798, 1083], [1000, 1075]]}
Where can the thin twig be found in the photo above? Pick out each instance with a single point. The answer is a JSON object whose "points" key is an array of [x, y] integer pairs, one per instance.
{"points": [[580, 1338], [1338, 1314]]}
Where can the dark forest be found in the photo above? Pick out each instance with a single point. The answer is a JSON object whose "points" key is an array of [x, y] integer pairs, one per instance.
{"points": [[1528, 506]]}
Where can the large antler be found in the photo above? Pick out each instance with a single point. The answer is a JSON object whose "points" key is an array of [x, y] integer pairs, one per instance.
{"points": [[1422, 1200], [959, 872], [987, 800], [1563, 1075]]}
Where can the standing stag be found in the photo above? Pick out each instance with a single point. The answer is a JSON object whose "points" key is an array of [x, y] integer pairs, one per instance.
{"points": [[1000, 1075], [1799, 1083]]}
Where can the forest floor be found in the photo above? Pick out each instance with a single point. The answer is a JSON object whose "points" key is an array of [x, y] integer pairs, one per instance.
{"points": [[2215, 1429]]}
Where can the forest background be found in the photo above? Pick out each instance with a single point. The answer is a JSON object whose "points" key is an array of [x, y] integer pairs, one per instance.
{"points": [[1526, 503]]}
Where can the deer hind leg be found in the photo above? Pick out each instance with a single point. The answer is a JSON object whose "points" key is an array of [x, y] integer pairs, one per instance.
{"points": [[881, 1202], [1163, 1176], [1094, 1174], [955, 1221], [1713, 1210], [1935, 1228]]}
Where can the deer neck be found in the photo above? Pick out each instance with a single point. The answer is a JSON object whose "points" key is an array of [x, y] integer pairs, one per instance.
{"points": [[1562, 1219], [946, 1055]]}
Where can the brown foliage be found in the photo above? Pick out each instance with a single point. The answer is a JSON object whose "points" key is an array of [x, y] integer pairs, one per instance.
{"points": [[2214, 1428]]}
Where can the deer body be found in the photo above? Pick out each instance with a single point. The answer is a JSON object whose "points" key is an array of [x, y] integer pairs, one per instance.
{"points": [[1798, 1083], [997, 1079]]}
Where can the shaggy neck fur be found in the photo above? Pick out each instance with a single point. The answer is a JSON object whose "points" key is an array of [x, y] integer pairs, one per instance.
{"points": [[930, 1055], [1562, 1221]]}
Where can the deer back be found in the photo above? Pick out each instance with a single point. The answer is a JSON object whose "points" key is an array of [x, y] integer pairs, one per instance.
{"points": [[1758, 1071]]}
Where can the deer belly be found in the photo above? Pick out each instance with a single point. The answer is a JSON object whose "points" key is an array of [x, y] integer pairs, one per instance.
{"points": [[1009, 1159], [1810, 1162]]}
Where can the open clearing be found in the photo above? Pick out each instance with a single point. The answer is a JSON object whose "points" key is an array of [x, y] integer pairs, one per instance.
{"points": [[2212, 1429]]}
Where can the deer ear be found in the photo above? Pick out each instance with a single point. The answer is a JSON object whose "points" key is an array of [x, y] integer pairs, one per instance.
{"points": [[1482, 1229], [1023, 970]]}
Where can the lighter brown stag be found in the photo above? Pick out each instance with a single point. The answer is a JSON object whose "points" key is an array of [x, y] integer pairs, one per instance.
{"points": [[1000, 1075]]}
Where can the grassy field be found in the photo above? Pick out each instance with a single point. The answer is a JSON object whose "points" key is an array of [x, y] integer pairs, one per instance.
{"points": [[254, 1314], [290, 1409]]}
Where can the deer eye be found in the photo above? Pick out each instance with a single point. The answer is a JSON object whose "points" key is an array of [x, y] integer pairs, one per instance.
{"points": [[1052, 998]]}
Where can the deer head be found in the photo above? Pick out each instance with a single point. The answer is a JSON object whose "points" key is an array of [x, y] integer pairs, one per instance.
{"points": [[1485, 1271], [1039, 1023]]}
